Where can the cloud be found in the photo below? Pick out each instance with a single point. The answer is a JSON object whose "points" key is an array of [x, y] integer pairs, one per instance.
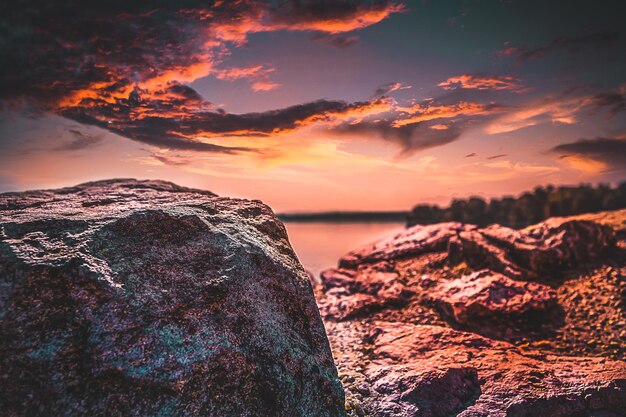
{"points": [[390, 88], [483, 82], [561, 44], [155, 122], [338, 41], [124, 66], [264, 86], [87, 48], [561, 109], [164, 157], [556, 110], [81, 141], [428, 110], [421, 125], [521, 167], [615, 101], [593, 155], [258, 74], [411, 138], [502, 155]]}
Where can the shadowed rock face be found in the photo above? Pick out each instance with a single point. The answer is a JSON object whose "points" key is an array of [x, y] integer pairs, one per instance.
{"points": [[143, 298], [454, 320]]}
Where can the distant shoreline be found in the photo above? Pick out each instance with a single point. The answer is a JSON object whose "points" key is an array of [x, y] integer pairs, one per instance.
{"points": [[346, 217]]}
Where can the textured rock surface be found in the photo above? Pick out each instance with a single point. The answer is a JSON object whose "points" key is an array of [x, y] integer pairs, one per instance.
{"points": [[453, 320], [142, 298], [482, 297], [539, 251]]}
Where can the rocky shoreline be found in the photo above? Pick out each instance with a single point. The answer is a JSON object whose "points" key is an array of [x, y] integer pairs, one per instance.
{"points": [[143, 298], [451, 319]]}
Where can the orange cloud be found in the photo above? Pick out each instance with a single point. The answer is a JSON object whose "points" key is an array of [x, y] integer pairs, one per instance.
{"points": [[483, 82], [264, 86], [138, 90], [261, 20], [583, 163], [258, 73], [177, 118], [555, 110], [428, 111], [242, 72]]}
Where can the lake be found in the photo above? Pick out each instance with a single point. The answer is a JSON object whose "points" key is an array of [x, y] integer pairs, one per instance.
{"points": [[320, 245]]}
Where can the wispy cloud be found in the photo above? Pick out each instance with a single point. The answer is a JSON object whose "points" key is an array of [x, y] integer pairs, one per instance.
{"points": [[338, 41], [555, 110], [79, 142], [523, 53], [483, 82], [258, 74], [426, 111], [390, 88]]}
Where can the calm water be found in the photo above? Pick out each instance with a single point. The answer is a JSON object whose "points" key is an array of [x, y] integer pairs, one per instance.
{"points": [[320, 245]]}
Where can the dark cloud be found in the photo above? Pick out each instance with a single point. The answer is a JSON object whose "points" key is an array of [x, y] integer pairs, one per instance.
{"points": [[427, 124], [610, 151], [156, 122], [469, 155], [614, 101], [502, 155], [80, 141], [57, 48], [411, 138], [123, 65], [561, 44]]}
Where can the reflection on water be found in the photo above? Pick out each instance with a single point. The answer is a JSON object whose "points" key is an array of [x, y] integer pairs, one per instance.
{"points": [[320, 245]]}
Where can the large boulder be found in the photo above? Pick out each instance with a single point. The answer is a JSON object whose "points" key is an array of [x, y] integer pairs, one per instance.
{"points": [[143, 298]]}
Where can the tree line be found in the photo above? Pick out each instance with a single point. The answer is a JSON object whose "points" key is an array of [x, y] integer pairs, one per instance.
{"points": [[529, 208]]}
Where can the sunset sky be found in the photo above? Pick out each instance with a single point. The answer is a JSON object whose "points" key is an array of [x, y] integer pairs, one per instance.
{"points": [[315, 105]]}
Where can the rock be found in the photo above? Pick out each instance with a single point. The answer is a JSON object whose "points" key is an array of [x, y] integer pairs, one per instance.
{"points": [[432, 393], [379, 289], [143, 298], [484, 296], [539, 251], [394, 308], [410, 242], [419, 370]]}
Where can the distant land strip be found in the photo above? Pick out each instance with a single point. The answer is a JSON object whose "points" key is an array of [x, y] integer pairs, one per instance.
{"points": [[346, 217]]}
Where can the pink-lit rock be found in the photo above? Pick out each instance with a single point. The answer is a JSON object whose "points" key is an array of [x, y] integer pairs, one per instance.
{"points": [[485, 296]]}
